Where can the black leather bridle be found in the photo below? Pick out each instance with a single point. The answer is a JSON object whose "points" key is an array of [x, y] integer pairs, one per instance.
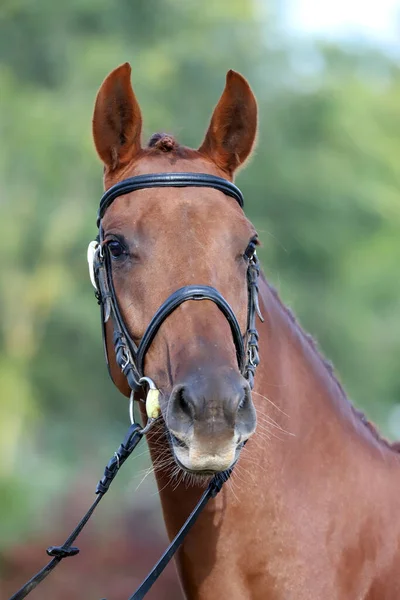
{"points": [[130, 357]]}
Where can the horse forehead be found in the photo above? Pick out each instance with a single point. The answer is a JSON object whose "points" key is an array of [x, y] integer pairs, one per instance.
{"points": [[202, 209], [189, 211], [170, 211]]}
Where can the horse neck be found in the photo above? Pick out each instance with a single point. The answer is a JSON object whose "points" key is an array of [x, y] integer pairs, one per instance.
{"points": [[299, 390], [297, 387]]}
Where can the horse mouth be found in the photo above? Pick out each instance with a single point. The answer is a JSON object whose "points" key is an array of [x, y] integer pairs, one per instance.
{"points": [[206, 474], [180, 447]]}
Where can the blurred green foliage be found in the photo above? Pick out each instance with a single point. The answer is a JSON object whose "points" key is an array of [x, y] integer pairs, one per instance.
{"points": [[322, 189]]}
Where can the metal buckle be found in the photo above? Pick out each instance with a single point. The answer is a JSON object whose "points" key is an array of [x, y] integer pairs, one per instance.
{"points": [[126, 358], [251, 357]]}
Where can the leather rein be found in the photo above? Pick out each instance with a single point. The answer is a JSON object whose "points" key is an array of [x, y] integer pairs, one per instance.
{"points": [[131, 358]]}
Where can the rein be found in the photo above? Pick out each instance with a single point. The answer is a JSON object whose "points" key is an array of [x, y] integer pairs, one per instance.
{"points": [[131, 358]]}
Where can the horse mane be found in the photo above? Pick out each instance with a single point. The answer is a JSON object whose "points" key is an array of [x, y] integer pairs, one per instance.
{"points": [[395, 446]]}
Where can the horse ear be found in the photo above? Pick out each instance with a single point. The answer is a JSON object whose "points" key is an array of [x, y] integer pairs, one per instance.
{"points": [[117, 120], [232, 131]]}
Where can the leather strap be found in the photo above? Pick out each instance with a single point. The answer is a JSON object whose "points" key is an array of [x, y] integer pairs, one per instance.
{"points": [[132, 438], [141, 182], [125, 347], [183, 294], [212, 490]]}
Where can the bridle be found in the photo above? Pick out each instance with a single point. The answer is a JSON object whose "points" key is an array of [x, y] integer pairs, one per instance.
{"points": [[131, 357]]}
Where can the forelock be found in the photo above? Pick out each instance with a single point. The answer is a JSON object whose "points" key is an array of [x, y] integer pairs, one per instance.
{"points": [[163, 142]]}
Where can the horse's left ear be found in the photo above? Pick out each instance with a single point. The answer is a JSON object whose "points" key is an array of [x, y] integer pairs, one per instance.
{"points": [[232, 131]]}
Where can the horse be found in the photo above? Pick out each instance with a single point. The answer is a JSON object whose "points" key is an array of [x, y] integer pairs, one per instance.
{"points": [[311, 509]]}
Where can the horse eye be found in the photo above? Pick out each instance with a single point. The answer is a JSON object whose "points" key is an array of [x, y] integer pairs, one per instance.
{"points": [[116, 249]]}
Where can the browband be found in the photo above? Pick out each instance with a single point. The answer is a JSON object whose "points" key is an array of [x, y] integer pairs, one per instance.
{"points": [[141, 182]]}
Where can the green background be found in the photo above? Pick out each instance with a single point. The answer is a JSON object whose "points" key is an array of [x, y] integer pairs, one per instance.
{"points": [[322, 190]]}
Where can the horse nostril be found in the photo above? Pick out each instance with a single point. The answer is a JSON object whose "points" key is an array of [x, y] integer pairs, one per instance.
{"points": [[184, 403], [244, 401]]}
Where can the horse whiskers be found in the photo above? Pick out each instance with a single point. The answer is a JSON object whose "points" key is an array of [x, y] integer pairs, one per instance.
{"points": [[148, 472], [157, 436], [168, 482], [231, 487], [241, 473], [264, 415], [251, 463], [239, 478], [163, 461], [162, 465], [260, 432], [270, 422], [266, 428], [158, 492], [256, 441], [136, 456], [158, 426], [179, 477], [268, 434], [158, 464], [268, 419], [250, 460], [270, 401]]}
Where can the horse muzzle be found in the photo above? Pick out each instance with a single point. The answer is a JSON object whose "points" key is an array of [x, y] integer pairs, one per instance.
{"points": [[209, 418]]}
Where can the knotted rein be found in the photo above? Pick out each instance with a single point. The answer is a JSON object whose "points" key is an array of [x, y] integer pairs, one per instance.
{"points": [[131, 357]]}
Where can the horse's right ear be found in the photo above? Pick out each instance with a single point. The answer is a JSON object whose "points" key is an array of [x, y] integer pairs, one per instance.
{"points": [[117, 120]]}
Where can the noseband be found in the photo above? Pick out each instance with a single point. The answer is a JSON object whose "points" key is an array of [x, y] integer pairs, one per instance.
{"points": [[131, 357]]}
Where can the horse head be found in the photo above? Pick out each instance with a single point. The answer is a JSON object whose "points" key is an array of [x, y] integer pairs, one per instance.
{"points": [[162, 239]]}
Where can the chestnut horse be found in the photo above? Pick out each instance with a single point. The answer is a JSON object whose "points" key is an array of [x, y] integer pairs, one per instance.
{"points": [[312, 509]]}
